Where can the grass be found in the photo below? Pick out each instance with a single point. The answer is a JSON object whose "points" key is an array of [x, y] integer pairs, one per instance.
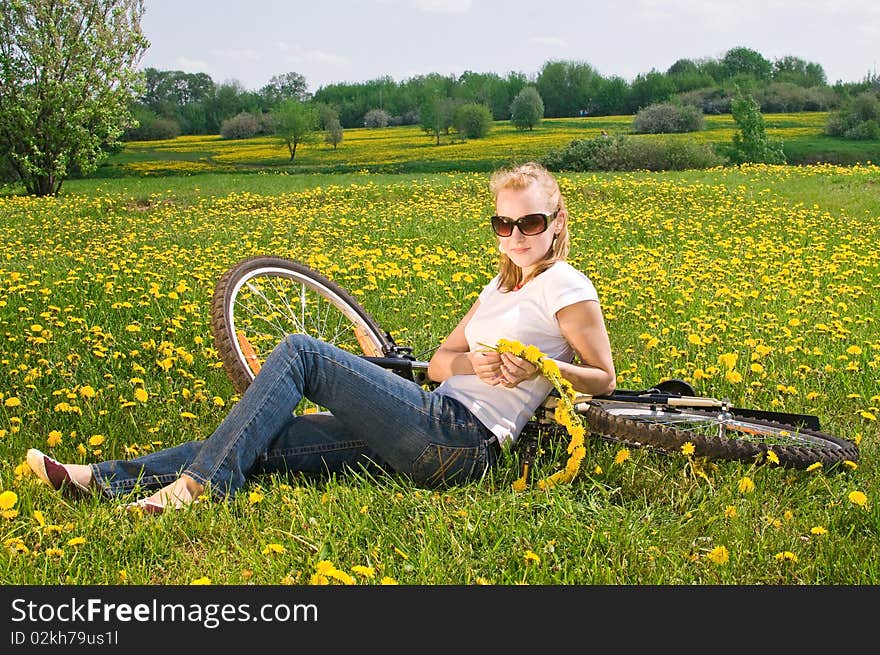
{"points": [[105, 290]]}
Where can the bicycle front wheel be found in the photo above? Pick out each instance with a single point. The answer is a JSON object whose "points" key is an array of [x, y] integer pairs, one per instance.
{"points": [[716, 434], [260, 300]]}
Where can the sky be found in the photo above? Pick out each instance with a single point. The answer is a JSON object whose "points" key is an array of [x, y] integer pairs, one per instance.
{"points": [[332, 41]]}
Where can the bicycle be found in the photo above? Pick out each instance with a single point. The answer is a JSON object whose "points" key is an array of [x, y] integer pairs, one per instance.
{"points": [[261, 299]]}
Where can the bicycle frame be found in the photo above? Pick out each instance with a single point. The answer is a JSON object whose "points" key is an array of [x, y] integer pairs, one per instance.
{"points": [[400, 360]]}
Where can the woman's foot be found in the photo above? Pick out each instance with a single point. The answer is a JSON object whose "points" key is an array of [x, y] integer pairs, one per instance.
{"points": [[180, 493], [71, 479]]}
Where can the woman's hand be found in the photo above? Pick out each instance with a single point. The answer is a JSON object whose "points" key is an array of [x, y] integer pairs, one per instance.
{"points": [[486, 365], [501, 368], [514, 370]]}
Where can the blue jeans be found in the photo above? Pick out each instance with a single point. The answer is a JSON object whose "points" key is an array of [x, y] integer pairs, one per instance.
{"points": [[376, 420]]}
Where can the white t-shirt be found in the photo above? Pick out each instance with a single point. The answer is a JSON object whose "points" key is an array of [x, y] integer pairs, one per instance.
{"points": [[528, 316]]}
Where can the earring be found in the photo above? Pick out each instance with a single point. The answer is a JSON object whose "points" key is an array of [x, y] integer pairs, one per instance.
{"points": [[500, 249]]}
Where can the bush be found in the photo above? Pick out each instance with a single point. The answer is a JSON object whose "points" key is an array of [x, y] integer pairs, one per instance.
{"points": [[472, 120], [858, 120], [665, 117], [713, 100], [376, 118], [151, 127], [620, 153], [240, 126], [787, 97]]}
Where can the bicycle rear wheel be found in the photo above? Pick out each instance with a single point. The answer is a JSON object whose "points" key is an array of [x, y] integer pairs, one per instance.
{"points": [[260, 300], [716, 434]]}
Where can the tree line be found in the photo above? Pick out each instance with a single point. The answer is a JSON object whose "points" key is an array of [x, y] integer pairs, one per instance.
{"points": [[191, 103]]}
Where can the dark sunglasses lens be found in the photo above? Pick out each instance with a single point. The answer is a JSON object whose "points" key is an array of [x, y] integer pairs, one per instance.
{"points": [[532, 224], [501, 227]]}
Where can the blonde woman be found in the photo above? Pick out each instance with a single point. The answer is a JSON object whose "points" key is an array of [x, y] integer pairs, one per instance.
{"points": [[376, 419]]}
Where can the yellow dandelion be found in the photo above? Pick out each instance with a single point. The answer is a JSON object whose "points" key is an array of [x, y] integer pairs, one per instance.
{"points": [[718, 555], [342, 576], [814, 467], [54, 552], [12, 402], [850, 464], [746, 485], [855, 497], [388, 581], [730, 512], [39, 518], [87, 391], [687, 448], [772, 457], [8, 499], [255, 497], [531, 557], [786, 555], [818, 530], [96, 439], [273, 548], [364, 571], [76, 541], [141, 395], [621, 456], [532, 354], [205, 580]]}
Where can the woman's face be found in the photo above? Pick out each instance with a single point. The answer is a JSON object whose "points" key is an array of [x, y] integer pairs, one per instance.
{"points": [[527, 251]]}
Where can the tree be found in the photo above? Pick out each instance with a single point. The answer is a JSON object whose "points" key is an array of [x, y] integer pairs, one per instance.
{"points": [[294, 122], [797, 71], [751, 144], [333, 133], [746, 62], [527, 109], [67, 81], [376, 118], [288, 86], [472, 120], [436, 115]]}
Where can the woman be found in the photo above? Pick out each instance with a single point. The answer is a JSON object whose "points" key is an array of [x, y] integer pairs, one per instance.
{"points": [[377, 419]]}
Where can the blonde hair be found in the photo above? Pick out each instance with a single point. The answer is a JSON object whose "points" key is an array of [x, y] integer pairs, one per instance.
{"points": [[522, 177]]}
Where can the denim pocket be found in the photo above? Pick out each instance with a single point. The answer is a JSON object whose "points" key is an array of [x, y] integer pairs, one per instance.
{"points": [[440, 464]]}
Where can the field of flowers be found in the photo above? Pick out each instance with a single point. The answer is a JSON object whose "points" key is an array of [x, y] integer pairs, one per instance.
{"points": [[398, 148], [717, 278]]}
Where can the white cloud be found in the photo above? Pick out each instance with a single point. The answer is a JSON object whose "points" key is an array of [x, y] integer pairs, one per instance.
{"points": [[444, 6]]}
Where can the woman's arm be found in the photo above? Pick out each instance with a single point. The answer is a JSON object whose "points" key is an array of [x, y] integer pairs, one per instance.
{"points": [[583, 326]]}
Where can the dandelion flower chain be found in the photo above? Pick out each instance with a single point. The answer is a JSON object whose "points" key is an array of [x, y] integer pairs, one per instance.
{"points": [[565, 412]]}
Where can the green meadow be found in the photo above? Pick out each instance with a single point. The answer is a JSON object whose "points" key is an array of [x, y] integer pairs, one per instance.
{"points": [[768, 272]]}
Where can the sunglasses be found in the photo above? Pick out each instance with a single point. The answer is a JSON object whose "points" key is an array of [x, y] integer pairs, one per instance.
{"points": [[529, 225]]}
